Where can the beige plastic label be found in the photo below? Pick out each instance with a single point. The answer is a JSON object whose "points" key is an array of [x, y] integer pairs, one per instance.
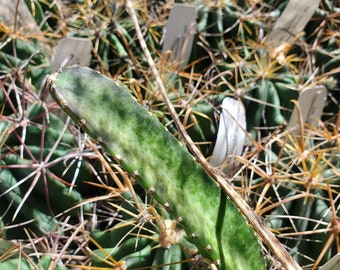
{"points": [[292, 21], [332, 264], [311, 102], [72, 51], [179, 32]]}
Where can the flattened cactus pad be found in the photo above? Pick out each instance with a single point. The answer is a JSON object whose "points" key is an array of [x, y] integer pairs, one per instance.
{"points": [[113, 118]]}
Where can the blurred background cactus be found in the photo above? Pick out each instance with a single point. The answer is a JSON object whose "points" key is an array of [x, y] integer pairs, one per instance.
{"points": [[64, 203]]}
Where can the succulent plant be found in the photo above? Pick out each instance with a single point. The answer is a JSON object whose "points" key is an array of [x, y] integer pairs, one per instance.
{"points": [[136, 139], [290, 179]]}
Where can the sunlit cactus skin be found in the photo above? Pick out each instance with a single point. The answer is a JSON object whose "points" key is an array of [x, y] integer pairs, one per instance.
{"points": [[126, 130]]}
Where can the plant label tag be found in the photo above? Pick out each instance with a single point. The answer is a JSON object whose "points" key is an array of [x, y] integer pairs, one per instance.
{"points": [[72, 51], [231, 134], [179, 32], [292, 21], [311, 102], [332, 264]]}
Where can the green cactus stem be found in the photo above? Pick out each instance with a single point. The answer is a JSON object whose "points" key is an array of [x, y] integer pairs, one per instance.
{"points": [[126, 130]]}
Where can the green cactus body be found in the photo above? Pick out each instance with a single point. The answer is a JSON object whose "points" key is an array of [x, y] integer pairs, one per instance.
{"points": [[36, 211], [127, 131]]}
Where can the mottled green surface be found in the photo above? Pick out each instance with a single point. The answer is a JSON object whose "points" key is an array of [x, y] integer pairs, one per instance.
{"points": [[127, 129]]}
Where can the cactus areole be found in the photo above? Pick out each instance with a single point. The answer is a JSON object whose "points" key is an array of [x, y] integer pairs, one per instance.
{"points": [[108, 112]]}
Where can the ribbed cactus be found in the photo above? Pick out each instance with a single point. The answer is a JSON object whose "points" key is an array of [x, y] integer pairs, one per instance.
{"points": [[31, 169], [302, 182]]}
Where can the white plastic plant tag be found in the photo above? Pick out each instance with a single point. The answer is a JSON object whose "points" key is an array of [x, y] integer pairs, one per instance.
{"points": [[292, 21], [179, 32], [72, 51], [311, 102], [231, 132], [332, 264]]}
